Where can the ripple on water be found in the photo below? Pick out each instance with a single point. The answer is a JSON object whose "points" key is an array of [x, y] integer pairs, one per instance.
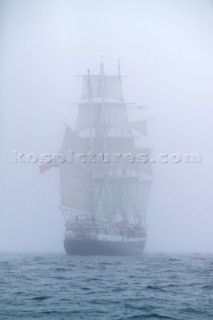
{"points": [[59, 287]]}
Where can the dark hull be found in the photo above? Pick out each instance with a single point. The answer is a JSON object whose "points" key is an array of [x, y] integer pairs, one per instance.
{"points": [[107, 248]]}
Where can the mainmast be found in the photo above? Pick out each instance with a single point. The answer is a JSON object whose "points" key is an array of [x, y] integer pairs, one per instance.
{"points": [[90, 108], [91, 136], [104, 131], [104, 111]]}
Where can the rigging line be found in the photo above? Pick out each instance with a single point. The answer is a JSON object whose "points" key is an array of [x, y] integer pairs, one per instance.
{"points": [[98, 198]]}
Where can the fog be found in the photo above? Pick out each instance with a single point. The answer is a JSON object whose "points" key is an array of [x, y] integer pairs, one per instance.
{"points": [[165, 49]]}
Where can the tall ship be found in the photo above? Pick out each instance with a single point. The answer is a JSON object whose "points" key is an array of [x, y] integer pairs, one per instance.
{"points": [[106, 179]]}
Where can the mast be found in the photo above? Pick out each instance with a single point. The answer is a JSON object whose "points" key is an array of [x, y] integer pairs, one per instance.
{"points": [[104, 136], [91, 136], [90, 108]]}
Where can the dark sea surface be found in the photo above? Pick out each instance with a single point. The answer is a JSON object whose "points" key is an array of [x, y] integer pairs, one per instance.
{"points": [[155, 286]]}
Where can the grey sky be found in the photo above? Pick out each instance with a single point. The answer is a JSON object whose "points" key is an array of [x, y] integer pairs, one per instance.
{"points": [[166, 49]]}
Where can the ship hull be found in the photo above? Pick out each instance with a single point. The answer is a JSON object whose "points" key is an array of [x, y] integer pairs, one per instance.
{"points": [[107, 248]]}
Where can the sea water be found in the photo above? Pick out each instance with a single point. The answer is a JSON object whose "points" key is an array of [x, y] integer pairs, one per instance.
{"points": [[57, 286]]}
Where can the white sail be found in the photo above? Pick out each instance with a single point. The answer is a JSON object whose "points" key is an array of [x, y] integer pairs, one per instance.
{"points": [[109, 115], [142, 197], [76, 187], [76, 179], [125, 197], [107, 87], [73, 142], [140, 126], [113, 144]]}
